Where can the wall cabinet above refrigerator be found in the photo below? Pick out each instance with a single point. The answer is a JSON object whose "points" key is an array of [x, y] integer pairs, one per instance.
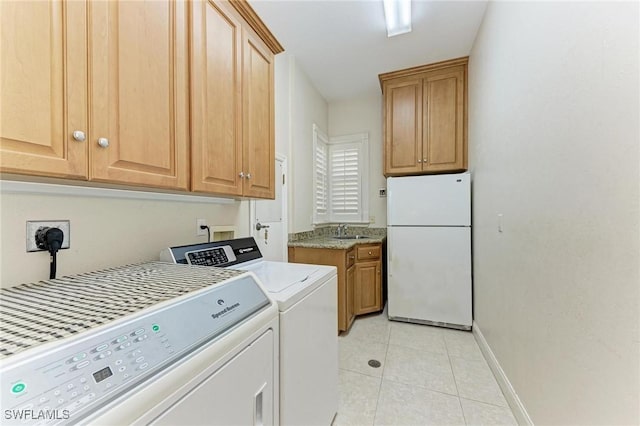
{"points": [[425, 119]]}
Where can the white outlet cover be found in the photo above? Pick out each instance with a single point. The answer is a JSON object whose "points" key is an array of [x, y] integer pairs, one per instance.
{"points": [[34, 225], [201, 232]]}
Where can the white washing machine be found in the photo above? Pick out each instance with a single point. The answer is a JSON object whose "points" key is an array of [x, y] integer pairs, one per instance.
{"points": [[307, 301], [143, 344]]}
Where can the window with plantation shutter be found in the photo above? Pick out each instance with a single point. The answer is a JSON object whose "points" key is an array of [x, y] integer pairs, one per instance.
{"points": [[341, 178], [320, 176]]}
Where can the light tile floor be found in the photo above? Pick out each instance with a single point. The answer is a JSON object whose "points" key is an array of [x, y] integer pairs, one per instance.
{"points": [[429, 376]]}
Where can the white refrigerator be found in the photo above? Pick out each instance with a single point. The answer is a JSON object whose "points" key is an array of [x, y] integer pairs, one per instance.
{"points": [[429, 249]]}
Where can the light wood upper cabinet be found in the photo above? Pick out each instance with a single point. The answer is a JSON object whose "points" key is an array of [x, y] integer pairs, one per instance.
{"points": [[443, 140], [425, 129], [258, 119], [139, 93], [43, 88], [176, 93], [403, 124], [232, 103], [216, 102]]}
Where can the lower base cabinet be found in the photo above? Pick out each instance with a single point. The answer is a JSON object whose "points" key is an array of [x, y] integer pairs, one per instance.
{"points": [[359, 277], [368, 288]]}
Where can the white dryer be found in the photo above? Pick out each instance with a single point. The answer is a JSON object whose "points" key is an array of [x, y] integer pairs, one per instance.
{"points": [[307, 300], [142, 344]]}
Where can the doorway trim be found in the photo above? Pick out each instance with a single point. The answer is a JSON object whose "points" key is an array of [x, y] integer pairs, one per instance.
{"points": [[285, 207]]}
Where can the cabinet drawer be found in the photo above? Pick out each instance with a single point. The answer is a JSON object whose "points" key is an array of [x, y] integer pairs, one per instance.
{"points": [[368, 252], [351, 258]]}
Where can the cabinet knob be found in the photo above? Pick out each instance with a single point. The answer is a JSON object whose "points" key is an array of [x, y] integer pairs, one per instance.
{"points": [[419, 161], [79, 135], [352, 257], [241, 174], [103, 142], [424, 160], [369, 253], [248, 175]]}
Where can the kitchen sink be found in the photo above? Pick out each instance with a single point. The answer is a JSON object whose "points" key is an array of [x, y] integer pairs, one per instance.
{"points": [[351, 237]]}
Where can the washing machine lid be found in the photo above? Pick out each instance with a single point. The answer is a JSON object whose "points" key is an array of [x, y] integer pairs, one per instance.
{"points": [[288, 282]]}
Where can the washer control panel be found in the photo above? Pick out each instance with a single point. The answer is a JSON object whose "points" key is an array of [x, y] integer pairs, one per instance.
{"points": [[215, 256], [69, 382]]}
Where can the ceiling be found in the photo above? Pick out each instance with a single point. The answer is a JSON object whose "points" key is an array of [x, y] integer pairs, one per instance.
{"points": [[343, 45]]}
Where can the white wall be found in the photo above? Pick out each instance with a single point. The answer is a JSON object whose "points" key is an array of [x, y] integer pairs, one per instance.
{"points": [[282, 101], [105, 232], [364, 114], [307, 107], [554, 140]]}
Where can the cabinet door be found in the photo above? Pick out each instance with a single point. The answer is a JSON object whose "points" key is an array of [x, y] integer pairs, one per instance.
{"points": [[43, 88], [368, 288], [216, 107], [258, 119], [139, 88], [351, 302], [444, 137], [403, 126]]}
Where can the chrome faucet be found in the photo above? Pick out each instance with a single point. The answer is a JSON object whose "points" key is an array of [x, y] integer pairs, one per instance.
{"points": [[342, 230]]}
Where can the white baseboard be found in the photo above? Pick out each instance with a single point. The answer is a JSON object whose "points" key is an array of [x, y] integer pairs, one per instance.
{"points": [[514, 402]]}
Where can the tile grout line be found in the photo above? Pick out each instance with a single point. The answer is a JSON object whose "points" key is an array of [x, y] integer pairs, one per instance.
{"points": [[446, 347], [386, 355], [487, 403]]}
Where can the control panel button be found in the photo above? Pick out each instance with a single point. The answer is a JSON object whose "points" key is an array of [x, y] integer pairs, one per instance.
{"points": [[18, 388], [86, 387], [79, 357], [82, 364], [74, 394], [143, 366], [140, 359], [70, 386], [56, 392], [87, 398], [155, 328], [60, 400], [138, 332], [124, 346], [43, 399], [103, 355], [83, 379], [102, 347], [118, 362], [120, 339], [121, 369]]}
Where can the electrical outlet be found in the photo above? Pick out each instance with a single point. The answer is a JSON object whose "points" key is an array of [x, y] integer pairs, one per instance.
{"points": [[34, 225], [201, 232], [382, 192]]}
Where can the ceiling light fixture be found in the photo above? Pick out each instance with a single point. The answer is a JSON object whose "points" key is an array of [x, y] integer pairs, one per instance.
{"points": [[397, 13]]}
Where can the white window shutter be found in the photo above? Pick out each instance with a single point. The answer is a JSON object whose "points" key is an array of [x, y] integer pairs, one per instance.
{"points": [[340, 178], [345, 184], [320, 176]]}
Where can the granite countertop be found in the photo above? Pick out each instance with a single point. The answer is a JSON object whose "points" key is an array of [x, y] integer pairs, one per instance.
{"points": [[323, 238], [333, 243]]}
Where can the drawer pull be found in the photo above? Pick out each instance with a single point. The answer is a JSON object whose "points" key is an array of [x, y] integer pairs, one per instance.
{"points": [[369, 252]]}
